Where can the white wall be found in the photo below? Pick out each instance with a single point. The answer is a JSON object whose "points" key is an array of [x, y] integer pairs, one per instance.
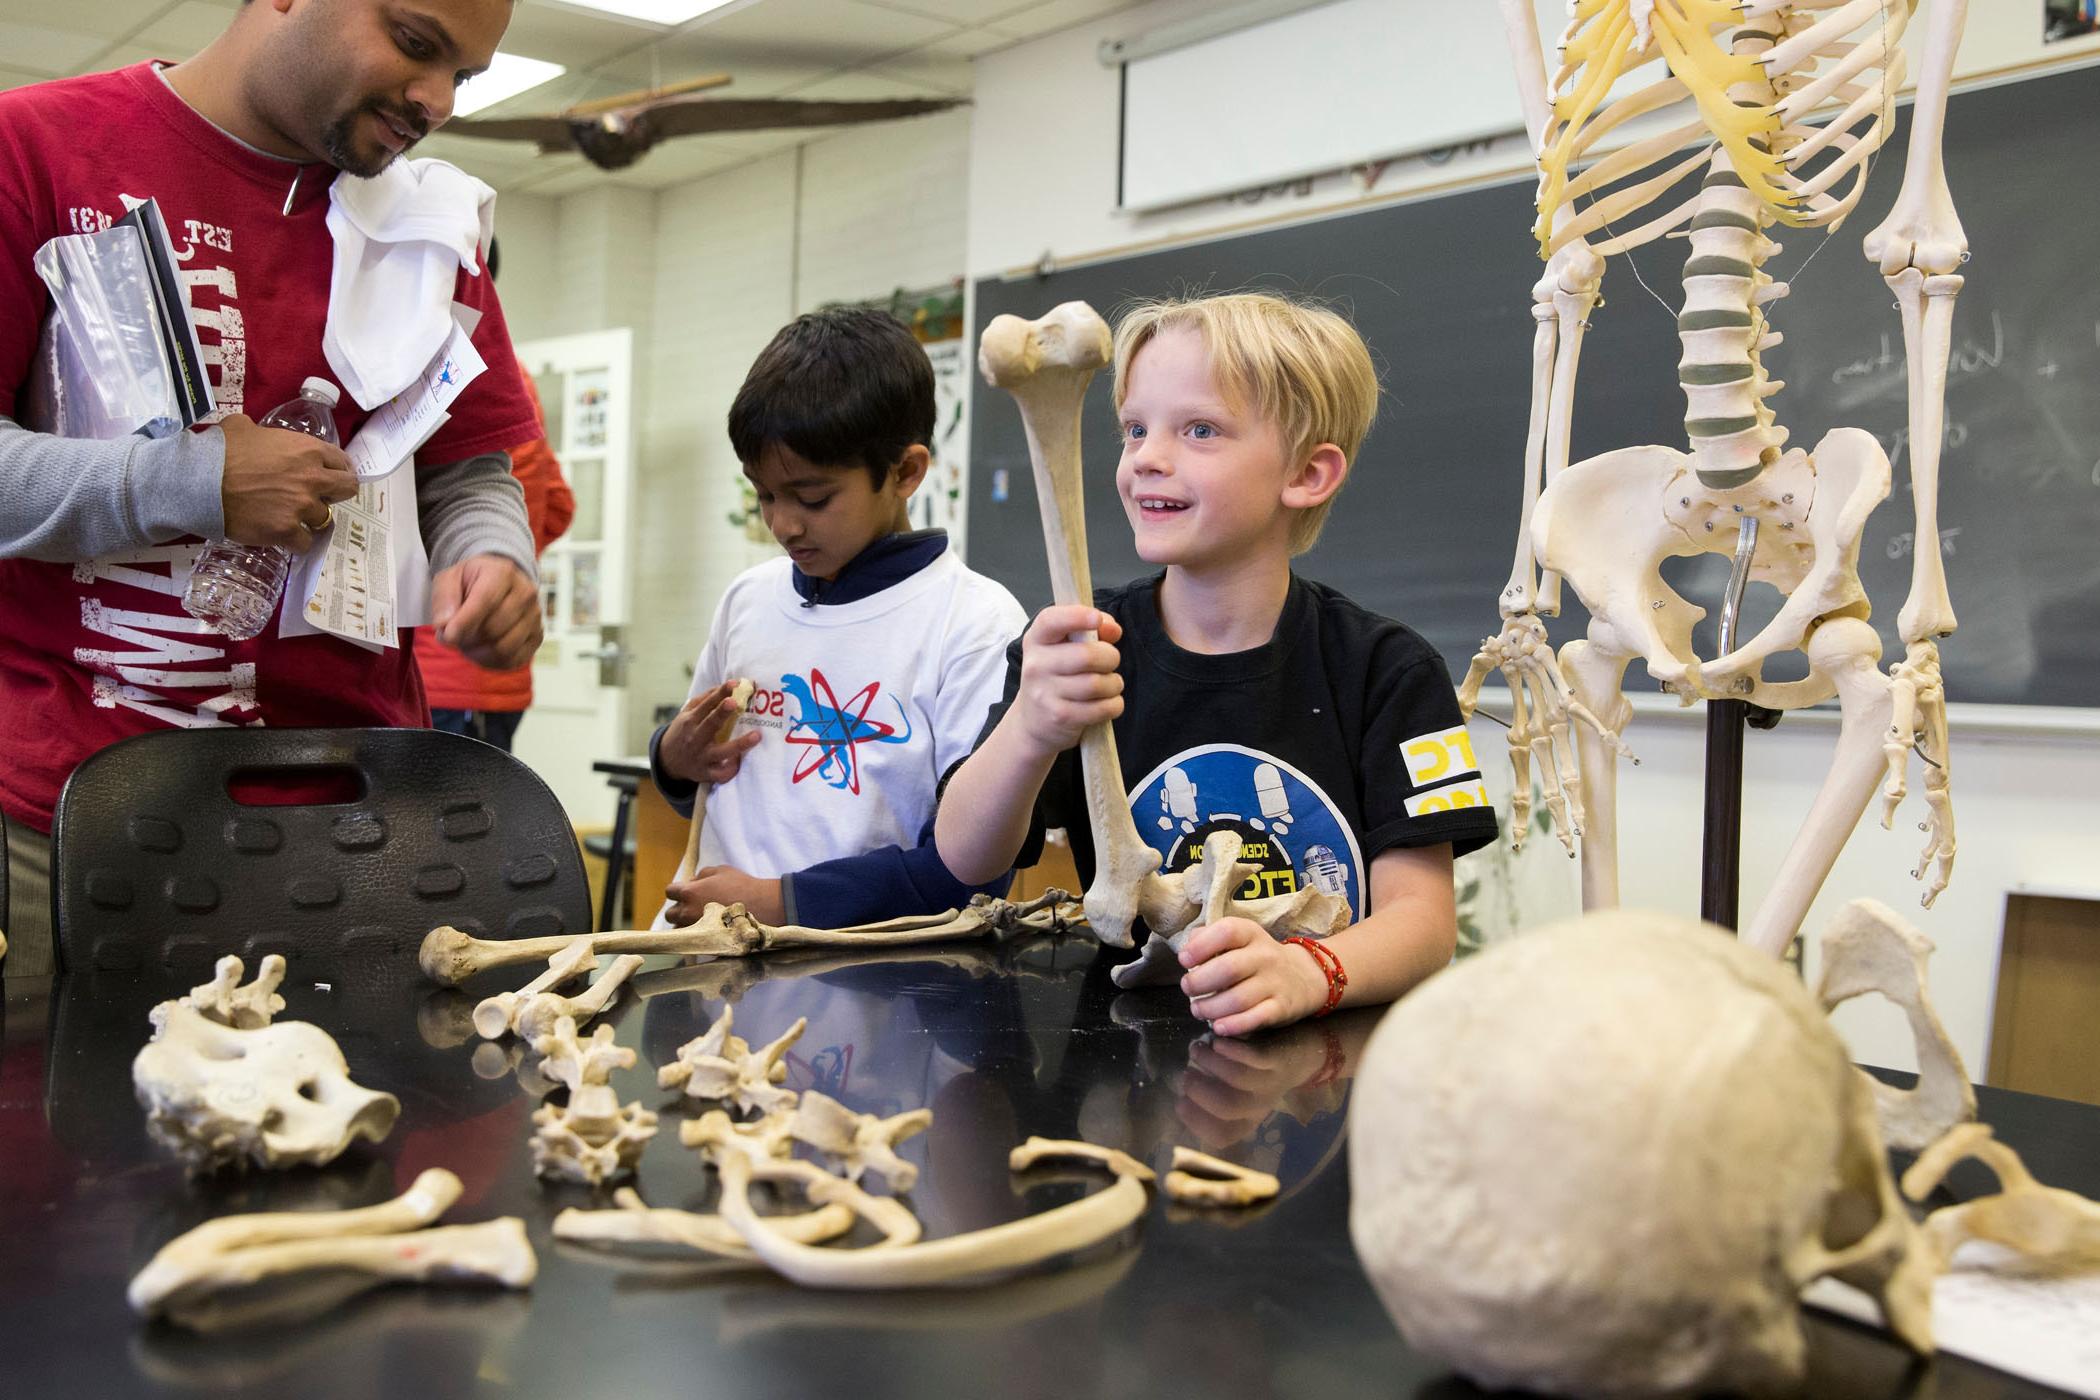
{"points": [[1043, 182]]}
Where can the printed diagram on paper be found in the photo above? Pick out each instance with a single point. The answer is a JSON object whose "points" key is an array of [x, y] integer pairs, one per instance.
{"points": [[369, 576], [405, 422]]}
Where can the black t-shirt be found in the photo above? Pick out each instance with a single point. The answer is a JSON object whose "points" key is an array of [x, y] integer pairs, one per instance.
{"points": [[1338, 739]]}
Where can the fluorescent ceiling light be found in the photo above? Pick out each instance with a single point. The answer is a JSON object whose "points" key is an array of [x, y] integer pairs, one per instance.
{"points": [[652, 11], [506, 76]]}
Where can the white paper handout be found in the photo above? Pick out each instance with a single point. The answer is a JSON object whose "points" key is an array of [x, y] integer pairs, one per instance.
{"points": [[2006, 1312], [405, 422], [368, 576]]}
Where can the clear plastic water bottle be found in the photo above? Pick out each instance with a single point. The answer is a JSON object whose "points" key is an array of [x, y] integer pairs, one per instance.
{"points": [[235, 587]]}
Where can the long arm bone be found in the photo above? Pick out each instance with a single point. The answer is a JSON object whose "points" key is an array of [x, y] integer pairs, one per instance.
{"points": [[726, 930]]}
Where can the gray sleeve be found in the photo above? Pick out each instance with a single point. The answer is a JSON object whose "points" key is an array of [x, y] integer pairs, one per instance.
{"points": [[67, 499], [474, 507]]}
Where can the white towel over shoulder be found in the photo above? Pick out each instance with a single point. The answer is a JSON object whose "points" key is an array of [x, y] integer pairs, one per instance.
{"points": [[401, 239]]}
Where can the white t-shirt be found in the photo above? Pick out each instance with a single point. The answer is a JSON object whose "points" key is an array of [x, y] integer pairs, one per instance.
{"points": [[862, 706]]}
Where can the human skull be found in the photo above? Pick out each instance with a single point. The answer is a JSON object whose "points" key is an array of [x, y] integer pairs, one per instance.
{"points": [[1604, 1158], [277, 1095]]}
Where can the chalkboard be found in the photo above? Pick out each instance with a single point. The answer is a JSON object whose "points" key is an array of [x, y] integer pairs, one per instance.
{"points": [[1440, 288]]}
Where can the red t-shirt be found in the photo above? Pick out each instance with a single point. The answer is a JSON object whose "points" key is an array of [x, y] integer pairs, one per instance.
{"points": [[93, 652]]}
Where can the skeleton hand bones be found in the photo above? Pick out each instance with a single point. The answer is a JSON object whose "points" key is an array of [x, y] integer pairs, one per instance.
{"points": [[1540, 705]]}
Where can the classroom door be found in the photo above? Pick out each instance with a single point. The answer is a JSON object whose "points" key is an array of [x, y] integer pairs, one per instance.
{"points": [[579, 677]]}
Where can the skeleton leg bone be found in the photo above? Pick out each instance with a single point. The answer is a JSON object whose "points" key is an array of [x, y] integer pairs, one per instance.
{"points": [[1846, 650]]}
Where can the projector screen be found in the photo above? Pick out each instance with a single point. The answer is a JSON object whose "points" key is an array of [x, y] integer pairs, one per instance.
{"points": [[1322, 89]]}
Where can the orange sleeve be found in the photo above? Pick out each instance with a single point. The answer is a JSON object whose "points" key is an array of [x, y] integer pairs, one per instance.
{"points": [[549, 503]]}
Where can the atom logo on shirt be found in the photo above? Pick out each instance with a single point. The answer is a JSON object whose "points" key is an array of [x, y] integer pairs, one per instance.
{"points": [[833, 732]]}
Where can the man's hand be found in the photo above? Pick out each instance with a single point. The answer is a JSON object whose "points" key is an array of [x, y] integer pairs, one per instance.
{"points": [[1241, 979], [488, 609], [690, 748], [278, 485], [723, 884], [1068, 686]]}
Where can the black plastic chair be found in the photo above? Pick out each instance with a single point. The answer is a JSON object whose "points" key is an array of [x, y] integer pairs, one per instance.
{"points": [[156, 865]]}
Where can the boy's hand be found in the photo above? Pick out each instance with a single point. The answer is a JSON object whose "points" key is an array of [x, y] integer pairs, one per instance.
{"points": [[1067, 685], [1232, 1086], [690, 749], [1241, 979], [724, 884]]}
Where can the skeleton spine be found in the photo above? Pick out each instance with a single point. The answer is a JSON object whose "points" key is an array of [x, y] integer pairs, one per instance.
{"points": [[1722, 327]]}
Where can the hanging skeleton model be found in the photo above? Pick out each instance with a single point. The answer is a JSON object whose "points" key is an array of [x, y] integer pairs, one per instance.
{"points": [[1746, 75]]}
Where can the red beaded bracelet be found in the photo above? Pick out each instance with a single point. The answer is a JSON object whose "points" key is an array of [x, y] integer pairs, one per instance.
{"points": [[1330, 964]]}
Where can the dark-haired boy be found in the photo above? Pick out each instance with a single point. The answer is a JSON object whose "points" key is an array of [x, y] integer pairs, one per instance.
{"points": [[876, 654]]}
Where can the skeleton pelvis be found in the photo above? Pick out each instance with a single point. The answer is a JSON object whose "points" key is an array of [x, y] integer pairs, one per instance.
{"points": [[1607, 523]]}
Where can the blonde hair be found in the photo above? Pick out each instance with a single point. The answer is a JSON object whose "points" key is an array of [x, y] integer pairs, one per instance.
{"points": [[1298, 365]]}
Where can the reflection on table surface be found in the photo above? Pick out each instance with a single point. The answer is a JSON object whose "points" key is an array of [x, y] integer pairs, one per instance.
{"points": [[1000, 1042]]}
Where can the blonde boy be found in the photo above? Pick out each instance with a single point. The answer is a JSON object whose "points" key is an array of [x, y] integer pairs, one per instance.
{"points": [[1243, 696]]}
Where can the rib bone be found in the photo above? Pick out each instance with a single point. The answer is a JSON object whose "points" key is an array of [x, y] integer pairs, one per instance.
{"points": [[898, 1263], [1199, 1179]]}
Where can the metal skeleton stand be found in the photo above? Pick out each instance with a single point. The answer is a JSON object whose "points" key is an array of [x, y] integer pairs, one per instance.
{"points": [[1721, 854]]}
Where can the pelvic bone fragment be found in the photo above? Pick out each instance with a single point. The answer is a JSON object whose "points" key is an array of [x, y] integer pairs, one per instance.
{"points": [[1199, 1179], [378, 1244], [225, 1000], [1604, 1158], [719, 1065], [277, 1096], [1869, 948], [2042, 1222], [594, 1137]]}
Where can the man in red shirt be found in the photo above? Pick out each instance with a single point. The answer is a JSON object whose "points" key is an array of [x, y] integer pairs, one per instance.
{"points": [[239, 146]]}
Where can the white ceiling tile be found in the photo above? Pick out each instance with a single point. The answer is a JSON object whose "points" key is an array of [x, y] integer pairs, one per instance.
{"points": [[32, 48], [751, 74], [927, 67], [969, 43], [1053, 15], [957, 11], [567, 37], [123, 56], [187, 28], [824, 33], [561, 179], [865, 84]]}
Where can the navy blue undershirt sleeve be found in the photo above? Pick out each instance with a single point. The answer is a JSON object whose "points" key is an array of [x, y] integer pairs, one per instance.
{"points": [[889, 883], [677, 791]]}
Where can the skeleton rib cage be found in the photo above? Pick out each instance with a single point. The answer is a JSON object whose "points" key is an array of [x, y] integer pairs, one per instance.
{"points": [[1738, 115]]}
